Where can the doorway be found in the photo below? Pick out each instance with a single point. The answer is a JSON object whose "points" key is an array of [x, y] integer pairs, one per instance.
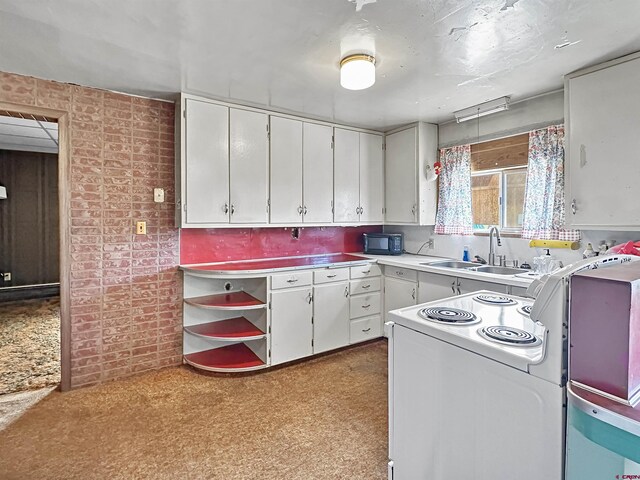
{"points": [[34, 300]]}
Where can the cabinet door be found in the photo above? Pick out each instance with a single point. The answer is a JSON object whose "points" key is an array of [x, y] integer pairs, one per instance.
{"points": [[206, 175], [317, 161], [291, 328], [371, 178], [466, 285], [432, 286], [286, 170], [604, 172], [398, 294], [401, 176], [248, 166], [346, 176], [330, 316]]}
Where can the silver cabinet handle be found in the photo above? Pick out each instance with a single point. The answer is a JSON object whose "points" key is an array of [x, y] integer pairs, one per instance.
{"points": [[366, 306], [292, 280], [574, 206], [366, 271], [233, 209], [399, 273], [364, 287], [413, 210], [331, 276], [453, 287], [309, 298], [413, 294], [361, 210], [304, 210], [300, 210], [346, 291], [366, 329], [459, 292], [225, 209]]}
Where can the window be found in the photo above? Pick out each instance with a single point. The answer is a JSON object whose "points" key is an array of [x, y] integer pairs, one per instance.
{"points": [[497, 198], [498, 181]]}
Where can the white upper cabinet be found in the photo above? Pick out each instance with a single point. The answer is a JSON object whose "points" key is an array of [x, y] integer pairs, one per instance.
{"points": [[410, 193], [602, 147], [346, 176], [248, 166], [317, 161], [205, 164], [286, 170], [359, 177], [371, 178]]}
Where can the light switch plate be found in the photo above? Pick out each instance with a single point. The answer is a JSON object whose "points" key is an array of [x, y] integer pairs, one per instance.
{"points": [[158, 195]]}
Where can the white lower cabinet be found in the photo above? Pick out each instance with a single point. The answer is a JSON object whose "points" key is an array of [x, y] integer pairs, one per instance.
{"points": [[433, 286], [291, 327], [365, 328], [330, 316], [398, 294]]}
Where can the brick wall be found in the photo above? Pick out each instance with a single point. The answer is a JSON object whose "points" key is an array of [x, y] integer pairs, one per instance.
{"points": [[125, 288]]}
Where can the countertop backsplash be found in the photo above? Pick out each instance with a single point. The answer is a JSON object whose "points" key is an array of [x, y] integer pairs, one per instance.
{"points": [[514, 248]]}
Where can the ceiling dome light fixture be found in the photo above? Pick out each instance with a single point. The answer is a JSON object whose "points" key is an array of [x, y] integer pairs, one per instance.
{"points": [[357, 72]]}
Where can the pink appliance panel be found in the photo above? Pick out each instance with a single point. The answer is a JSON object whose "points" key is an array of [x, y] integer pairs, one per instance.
{"points": [[605, 330]]}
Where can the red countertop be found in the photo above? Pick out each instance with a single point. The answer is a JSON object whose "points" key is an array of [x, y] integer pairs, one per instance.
{"points": [[272, 264]]}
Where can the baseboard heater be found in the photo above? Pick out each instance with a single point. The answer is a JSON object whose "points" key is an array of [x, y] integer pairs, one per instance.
{"points": [[27, 292]]}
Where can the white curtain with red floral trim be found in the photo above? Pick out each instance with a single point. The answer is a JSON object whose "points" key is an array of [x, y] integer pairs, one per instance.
{"points": [[454, 198], [543, 213]]}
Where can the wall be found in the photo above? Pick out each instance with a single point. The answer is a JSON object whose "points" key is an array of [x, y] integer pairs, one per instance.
{"points": [[125, 288], [521, 117], [29, 231], [217, 245]]}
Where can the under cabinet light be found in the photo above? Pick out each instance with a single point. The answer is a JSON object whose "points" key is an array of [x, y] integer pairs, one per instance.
{"points": [[486, 108]]}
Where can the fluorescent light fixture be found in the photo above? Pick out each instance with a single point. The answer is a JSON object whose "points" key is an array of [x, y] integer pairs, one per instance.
{"points": [[3, 193], [486, 108], [357, 72]]}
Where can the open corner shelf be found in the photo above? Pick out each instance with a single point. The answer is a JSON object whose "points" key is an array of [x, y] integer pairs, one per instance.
{"points": [[232, 329], [232, 358], [227, 301]]}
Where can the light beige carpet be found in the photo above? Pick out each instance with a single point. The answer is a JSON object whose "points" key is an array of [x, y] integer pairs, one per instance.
{"points": [[29, 345], [324, 418]]}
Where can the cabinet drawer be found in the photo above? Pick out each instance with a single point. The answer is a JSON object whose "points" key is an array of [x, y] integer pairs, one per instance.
{"points": [[292, 279], [364, 271], [327, 275], [365, 329], [403, 273], [364, 285], [363, 305]]}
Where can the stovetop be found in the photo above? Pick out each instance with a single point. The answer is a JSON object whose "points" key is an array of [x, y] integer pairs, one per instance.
{"points": [[473, 321]]}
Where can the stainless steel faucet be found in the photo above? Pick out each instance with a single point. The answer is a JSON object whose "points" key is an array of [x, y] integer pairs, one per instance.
{"points": [[492, 248]]}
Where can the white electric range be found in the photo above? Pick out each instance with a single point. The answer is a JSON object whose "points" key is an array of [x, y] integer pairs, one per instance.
{"points": [[477, 383]]}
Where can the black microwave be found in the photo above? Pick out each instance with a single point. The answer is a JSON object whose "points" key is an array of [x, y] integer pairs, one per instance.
{"points": [[383, 243]]}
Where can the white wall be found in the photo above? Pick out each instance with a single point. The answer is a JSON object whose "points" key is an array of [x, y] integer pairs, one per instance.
{"points": [[521, 117], [452, 246]]}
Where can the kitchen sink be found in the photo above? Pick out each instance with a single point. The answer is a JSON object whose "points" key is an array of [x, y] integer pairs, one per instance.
{"points": [[500, 270], [451, 264]]}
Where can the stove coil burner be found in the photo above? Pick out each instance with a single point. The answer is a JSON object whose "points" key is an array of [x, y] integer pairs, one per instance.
{"points": [[450, 316], [525, 310], [494, 300], [511, 336]]}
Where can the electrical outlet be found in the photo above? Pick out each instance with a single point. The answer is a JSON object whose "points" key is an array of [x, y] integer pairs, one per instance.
{"points": [[158, 195], [6, 276], [141, 228]]}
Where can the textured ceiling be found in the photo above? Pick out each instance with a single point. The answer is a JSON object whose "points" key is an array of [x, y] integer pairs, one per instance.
{"points": [[433, 57]]}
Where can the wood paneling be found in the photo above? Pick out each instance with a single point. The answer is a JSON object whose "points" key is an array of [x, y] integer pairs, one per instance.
{"points": [[29, 238], [502, 153]]}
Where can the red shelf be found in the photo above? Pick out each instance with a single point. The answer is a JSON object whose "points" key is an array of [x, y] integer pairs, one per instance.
{"points": [[237, 357], [233, 300], [233, 328]]}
